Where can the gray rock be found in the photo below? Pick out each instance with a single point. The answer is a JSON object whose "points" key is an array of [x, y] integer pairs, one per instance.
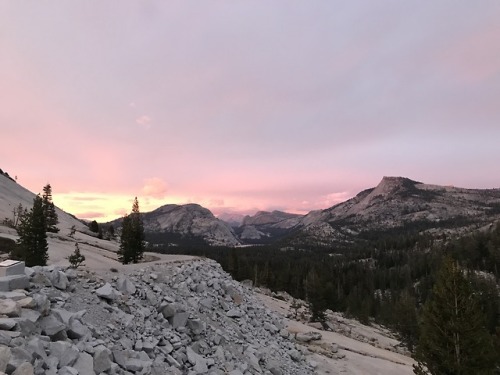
{"points": [[42, 303], [84, 364], [199, 363], [76, 329], [7, 324], [125, 286], [51, 326], [65, 352], [66, 370], [8, 283], [24, 369], [59, 280], [5, 355], [295, 355], [307, 336], [235, 313], [107, 292], [102, 359], [10, 308], [134, 365], [5, 339], [18, 357], [196, 326], [179, 319]]}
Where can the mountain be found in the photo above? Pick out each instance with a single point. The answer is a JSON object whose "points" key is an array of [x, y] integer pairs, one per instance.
{"points": [[266, 227], [399, 202], [233, 219], [185, 224]]}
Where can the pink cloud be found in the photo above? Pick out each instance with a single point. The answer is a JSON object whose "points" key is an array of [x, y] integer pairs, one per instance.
{"points": [[155, 187]]}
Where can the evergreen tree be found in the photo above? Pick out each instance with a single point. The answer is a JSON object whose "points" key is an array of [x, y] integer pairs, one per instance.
{"points": [[76, 259], [453, 338], [93, 226], [132, 238], [49, 210], [32, 243]]}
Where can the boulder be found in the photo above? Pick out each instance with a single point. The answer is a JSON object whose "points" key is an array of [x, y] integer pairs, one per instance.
{"points": [[25, 368], [107, 292], [59, 280], [10, 308], [102, 359], [125, 286]]}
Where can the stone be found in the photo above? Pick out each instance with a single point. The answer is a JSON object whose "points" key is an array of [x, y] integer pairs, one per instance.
{"points": [[125, 286], [107, 292], [66, 370], [168, 310], [199, 363], [25, 368], [51, 326], [179, 319], [7, 324], [76, 329], [196, 326], [10, 308], [42, 303], [84, 364], [295, 355], [234, 313], [14, 295], [18, 357], [307, 336], [27, 302], [59, 280], [65, 352], [102, 359], [9, 283], [134, 365], [4, 357]]}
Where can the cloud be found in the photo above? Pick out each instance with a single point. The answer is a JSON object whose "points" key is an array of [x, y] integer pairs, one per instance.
{"points": [[144, 121], [155, 187], [90, 215]]}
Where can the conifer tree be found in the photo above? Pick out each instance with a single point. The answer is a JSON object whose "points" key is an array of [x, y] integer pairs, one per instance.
{"points": [[453, 338], [49, 210], [132, 238], [76, 259], [32, 242]]}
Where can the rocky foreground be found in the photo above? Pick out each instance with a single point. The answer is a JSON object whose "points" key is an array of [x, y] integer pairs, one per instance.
{"points": [[189, 318]]}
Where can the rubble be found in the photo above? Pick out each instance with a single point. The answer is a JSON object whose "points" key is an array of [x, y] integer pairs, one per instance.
{"points": [[191, 319]]}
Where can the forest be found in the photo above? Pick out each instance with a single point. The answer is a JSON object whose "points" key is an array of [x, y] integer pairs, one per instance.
{"points": [[385, 277]]}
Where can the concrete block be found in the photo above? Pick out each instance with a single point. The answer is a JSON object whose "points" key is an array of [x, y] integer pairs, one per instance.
{"points": [[11, 267]]}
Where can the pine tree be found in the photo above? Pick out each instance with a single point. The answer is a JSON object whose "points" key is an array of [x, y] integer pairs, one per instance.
{"points": [[453, 338], [49, 210], [32, 242], [132, 238], [76, 259]]}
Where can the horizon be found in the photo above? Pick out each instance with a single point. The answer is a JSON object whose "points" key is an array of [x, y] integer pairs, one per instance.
{"points": [[246, 107]]}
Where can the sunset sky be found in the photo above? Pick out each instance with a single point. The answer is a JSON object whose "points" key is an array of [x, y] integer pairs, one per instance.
{"points": [[246, 105]]}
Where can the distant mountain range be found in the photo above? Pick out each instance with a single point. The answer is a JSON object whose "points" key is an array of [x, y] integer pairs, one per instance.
{"points": [[396, 202]]}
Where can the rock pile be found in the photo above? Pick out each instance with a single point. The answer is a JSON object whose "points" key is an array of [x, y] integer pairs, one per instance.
{"points": [[190, 318]]}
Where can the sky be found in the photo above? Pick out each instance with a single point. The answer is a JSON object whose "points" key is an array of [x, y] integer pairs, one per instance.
{"points": [[246, 105]]}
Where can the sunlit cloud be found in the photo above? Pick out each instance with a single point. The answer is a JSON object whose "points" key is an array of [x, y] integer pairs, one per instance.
{"points": [[155, 187]]}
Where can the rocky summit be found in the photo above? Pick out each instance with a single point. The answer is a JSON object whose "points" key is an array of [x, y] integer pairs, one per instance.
{"points": [[186, 318]]}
